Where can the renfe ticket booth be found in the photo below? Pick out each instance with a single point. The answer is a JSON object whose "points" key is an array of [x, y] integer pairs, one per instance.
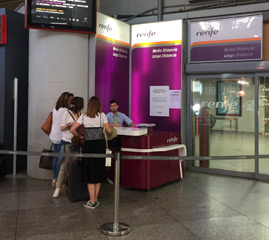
{"points": [[147, 174]]}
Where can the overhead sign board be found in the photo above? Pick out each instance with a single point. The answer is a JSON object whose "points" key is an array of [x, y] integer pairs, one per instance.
{"points": [[231, 39]]}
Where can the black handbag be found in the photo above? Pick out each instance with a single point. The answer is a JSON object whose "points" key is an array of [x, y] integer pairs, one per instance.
{"points": [[46, 161]]}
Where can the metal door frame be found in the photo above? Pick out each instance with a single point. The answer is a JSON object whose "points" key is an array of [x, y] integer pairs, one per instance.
{"points": [[258, 175]]}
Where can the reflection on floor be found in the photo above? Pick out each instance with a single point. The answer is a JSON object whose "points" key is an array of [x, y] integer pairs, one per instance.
{"points": [[200, 206], [236, 143]]}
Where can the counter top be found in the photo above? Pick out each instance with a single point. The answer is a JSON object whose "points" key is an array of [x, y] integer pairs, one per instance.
{"points": [[157, 149], [128, 131]]}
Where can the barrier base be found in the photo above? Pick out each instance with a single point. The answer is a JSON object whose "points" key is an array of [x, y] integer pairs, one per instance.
{"points": [[111, 229]]}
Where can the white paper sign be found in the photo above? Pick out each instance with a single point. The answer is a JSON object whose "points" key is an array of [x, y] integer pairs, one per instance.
{"points": [[175, 99], [159, 101]]}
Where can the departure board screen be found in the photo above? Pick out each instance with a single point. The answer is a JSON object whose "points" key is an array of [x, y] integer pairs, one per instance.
{"points": [[66, 15]]}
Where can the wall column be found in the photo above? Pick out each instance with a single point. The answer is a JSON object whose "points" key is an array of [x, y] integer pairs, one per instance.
{"points": [[58, 62]]}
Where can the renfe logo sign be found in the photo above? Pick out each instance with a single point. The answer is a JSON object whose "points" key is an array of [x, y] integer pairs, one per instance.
{"points": [[148, 34], [110, 28], [105, 27], [172, 140], [156, 32], [211, 40], [208, 33]]}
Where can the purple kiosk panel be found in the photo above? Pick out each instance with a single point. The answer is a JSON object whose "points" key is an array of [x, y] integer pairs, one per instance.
{"points": [[112, 74], [148, 70]]}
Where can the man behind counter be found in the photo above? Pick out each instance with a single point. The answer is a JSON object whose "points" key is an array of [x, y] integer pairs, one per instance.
{"points": [[116, 119]]}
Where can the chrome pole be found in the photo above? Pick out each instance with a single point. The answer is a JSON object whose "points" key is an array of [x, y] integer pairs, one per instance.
{"points": [[116, 193], [116, 228], [15, 125]]}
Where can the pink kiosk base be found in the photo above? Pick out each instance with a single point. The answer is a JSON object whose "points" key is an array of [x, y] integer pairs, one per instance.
{"points": [[147, 174]]}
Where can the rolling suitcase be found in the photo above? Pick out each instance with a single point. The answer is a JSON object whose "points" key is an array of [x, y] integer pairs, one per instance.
{"points": [[76, 189], [2, 163]]}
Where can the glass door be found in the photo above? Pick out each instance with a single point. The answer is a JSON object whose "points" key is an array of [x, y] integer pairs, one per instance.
{"points": [[223, 121], [263, 116]]}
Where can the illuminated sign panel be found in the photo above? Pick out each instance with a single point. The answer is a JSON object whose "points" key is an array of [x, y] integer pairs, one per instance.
{"points": [[231, 39], [156, 52], [112, 61]]}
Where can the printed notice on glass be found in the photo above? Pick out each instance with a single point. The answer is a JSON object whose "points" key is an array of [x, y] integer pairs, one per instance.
{"points": [[159, 101], [175, 99]]}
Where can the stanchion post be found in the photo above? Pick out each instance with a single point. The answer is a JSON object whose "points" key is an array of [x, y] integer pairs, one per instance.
{"points": [[15, 125], [116, 228], [116, 192]]}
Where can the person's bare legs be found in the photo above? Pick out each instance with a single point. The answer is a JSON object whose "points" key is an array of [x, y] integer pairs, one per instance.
{"points": [[91, 189], [97, 189]]}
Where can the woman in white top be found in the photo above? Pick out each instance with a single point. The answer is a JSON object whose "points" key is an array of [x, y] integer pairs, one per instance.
{"points": [[93, 169], [55, 136], [69, 118]]}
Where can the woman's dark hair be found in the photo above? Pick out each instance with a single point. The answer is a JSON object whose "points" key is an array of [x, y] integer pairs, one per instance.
{"points": [[70, 95], [94, 107], [77, 104], [62, 101]]}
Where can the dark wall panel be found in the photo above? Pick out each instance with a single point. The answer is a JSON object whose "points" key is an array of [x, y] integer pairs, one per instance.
{"points": [[15, 58]]}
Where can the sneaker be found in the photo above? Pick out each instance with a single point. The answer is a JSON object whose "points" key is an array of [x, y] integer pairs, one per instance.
{"points": [[90, 205], [97, 203], [56, 193]]}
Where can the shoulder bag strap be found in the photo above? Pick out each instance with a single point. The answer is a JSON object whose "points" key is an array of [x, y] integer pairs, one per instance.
{"points": [[104, 131], [71, 115], [106, 138]]}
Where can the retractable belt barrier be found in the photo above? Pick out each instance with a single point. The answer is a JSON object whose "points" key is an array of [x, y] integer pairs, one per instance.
{"points": [[131, 157], [116, 228]]}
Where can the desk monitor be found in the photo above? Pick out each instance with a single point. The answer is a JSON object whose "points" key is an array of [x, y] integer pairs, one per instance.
{"points": [[149, 126], [145, 125]]}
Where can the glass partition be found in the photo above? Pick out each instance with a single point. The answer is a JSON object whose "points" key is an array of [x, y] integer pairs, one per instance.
{"points": [[224, 121]]}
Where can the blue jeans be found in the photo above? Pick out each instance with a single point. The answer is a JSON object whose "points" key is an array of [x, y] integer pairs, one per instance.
{"points": [[56, 162]]}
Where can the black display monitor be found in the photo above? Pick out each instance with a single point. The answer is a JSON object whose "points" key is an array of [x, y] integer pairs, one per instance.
{"points": [[61, 15]]}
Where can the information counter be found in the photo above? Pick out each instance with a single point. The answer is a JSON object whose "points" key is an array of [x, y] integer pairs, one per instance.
{"points": [[147, 174]]}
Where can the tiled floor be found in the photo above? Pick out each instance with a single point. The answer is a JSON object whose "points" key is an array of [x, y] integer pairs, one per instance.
{"points": [[235, 143], [200, 206]]}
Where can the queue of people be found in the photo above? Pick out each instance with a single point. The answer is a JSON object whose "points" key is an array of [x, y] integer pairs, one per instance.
{"points": [[67, 118]]}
